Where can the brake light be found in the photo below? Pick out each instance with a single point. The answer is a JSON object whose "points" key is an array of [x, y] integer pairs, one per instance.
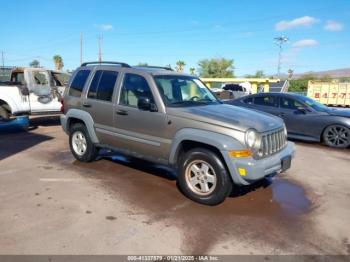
{"points": [[62, 106]]}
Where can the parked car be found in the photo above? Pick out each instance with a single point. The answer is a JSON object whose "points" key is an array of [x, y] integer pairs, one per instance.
{"points": [[305, 118], [32, 91], [172, 118]]}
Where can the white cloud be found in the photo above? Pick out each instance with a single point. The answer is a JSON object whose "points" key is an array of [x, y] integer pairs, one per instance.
{"points": [[104, 27], [305, 43], [333, 26], [297, 22]]}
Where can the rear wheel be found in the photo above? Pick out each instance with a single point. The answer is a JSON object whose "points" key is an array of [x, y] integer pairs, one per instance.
{"points": [[337, 136], [4, 115], [203, 177], [81, 145]]}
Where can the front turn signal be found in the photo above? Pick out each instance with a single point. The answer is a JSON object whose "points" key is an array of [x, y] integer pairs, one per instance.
{"points": [[240, 153]]}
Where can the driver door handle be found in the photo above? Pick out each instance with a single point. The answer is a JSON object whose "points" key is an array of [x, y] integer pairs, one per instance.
{"points": [[122, 112]]}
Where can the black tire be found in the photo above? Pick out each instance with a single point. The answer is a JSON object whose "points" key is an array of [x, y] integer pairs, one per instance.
{"points": [[91, 151], [337, 136], [218, 192], [4, 115]]}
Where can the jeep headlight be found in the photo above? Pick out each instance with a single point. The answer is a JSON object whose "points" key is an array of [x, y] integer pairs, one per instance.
{"points": [[285, 131], [252, 139]]}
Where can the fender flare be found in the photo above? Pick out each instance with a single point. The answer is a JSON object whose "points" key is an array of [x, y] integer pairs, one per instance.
{"points": [[86, 118], [11, 103], [217, 140]]}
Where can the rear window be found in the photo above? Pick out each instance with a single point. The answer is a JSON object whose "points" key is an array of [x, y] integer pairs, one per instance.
{"points": [[78, 83], [102, 85]]}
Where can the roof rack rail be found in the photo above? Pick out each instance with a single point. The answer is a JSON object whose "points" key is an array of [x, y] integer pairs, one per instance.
{"points": [[156, 67], [105, 62]]}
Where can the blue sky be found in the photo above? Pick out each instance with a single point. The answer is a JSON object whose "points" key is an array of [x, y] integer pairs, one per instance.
{"points": [[162, 32]]}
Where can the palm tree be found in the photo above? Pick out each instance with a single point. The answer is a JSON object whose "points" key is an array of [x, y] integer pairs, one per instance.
{"points": [[192, 71], [34, 63], [180, 66], [58, 61]]}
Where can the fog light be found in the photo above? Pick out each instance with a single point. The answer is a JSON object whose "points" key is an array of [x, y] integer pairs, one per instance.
{"points": [[240, 153], [242, 171]]}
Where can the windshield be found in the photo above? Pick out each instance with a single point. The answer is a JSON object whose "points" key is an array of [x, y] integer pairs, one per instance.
{"points": [[314, 104], [183, 91]]}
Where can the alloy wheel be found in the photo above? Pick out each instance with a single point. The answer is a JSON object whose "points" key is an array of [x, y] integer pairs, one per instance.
{"points": [[201, 177], [337, 136]]}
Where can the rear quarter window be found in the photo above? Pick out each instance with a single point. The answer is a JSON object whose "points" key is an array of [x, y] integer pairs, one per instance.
{"points": [[78, 83]]}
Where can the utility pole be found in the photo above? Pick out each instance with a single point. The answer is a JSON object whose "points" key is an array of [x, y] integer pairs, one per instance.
{"points": [[3, 60], [100, 38], [279, 42], [81, 48]]}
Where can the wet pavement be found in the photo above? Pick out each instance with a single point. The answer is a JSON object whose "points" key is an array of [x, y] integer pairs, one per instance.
{"points": [[136, 206]]}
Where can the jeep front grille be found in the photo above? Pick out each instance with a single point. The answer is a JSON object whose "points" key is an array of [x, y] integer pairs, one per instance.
{"points": [[272, 143]]}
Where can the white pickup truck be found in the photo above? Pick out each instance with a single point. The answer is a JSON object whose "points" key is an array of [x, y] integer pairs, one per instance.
{"points": [[32, 91]]}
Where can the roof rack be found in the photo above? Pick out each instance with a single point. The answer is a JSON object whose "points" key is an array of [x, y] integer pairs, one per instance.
{"points": [[156, 67], [105, 62]]}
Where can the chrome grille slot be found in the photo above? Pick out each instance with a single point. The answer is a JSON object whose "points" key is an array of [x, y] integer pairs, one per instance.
{"points": [[272, 143]]}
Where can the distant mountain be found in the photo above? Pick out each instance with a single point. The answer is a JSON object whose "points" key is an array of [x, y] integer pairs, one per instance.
{"points": [[336, 73]]}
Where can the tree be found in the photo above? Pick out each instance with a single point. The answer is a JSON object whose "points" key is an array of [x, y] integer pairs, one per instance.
{"points": [[34, 63], [258, 74], [192, 71], [216, 68], [58, 61], [142, 64], [180, 65], [300, 85]]}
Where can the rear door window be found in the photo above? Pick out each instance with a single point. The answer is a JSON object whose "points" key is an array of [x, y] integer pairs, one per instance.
{"points": [[265, 101], [102, 85], [78, 83]]}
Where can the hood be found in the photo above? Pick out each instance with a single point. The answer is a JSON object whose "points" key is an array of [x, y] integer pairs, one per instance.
{"points": [[340, 112], [229, 116]]}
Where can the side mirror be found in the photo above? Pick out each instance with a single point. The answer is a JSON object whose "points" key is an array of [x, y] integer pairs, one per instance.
{"points": [[145, 104]]}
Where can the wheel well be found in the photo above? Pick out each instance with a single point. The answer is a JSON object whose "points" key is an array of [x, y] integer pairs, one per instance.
{"points": [[5, 105], [72, 121], [187, 145]]}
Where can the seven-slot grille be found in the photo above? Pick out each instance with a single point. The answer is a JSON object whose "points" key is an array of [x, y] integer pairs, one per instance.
{"points": [[272, 143]]}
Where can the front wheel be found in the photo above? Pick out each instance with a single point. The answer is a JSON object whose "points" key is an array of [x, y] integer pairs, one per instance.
{"points": [[81, 145], [203, 177], [337, 136]]}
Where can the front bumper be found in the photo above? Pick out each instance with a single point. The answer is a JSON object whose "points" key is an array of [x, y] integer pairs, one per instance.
{"points": [[255, 170]]}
